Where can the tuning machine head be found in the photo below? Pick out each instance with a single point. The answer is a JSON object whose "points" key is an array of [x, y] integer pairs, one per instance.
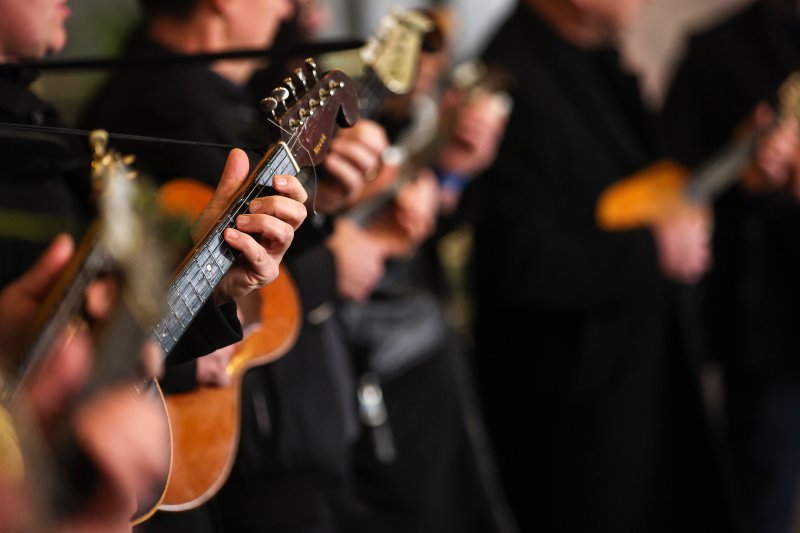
{"points": [[275, 104]]}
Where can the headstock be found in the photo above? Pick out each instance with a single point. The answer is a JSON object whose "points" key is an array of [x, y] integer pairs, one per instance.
{"points": [[130, 228], [789, 97], [307, 107], [393, 53]]}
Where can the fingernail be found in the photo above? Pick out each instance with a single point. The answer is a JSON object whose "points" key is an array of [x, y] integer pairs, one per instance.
{"points": [[232, 233], [280, 181], [255, 206], [243, 220]]}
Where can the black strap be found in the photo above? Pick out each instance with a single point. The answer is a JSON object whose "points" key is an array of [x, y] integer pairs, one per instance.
{"points": [[106, 63]]}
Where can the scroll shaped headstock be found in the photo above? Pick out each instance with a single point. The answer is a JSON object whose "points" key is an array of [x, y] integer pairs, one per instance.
{"points": [[393, 53], [307, 108], [789, 98]]}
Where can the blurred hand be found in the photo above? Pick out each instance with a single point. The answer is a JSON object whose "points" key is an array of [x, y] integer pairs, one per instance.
{"points": [[476, 133], [354, 157], [262, 236], [412, 218], [116, 428], [683, 243], [416, 207], [776, 163], [359, 260], [212, 369], [21, 299]]}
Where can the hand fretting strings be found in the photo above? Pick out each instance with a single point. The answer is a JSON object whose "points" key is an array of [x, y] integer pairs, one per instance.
{"points": [[197, 280]]}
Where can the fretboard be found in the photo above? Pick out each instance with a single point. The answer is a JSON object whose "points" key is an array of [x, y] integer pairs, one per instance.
{"points": [[720, 171], [210, 260], [371, 93]]}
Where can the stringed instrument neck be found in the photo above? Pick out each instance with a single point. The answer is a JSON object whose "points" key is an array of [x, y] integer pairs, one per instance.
{"points": [[204, 267], [652, 194], [62, 305]]}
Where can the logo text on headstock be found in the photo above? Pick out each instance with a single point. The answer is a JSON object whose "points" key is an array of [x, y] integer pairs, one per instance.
{"points": [[320, 144]]}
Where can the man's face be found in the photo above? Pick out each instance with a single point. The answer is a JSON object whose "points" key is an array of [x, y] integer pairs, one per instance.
{"points": [[257, 21], [30, 29]]}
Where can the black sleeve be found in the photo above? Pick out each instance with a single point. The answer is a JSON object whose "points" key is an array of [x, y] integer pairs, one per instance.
{"points": [[314, 272], [180, 378], [214, 327], [541, 246]]}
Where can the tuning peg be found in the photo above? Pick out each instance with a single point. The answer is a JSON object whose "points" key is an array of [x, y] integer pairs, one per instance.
{"points": [[290, 84], [304, 114], [280, 94], [312, 65], [270, 105], [294, 123], [298, 72], [313, 104], [323, 96]]}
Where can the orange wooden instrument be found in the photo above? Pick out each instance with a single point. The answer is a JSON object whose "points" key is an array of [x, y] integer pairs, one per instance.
{"points": [[659, 190], [205, 422]]}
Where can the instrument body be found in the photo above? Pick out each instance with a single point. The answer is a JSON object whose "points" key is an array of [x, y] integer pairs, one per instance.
{"points": [[205, 422], [124, 243]]}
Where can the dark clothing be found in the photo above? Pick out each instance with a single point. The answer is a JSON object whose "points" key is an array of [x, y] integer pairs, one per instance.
{"points": [[596, 423], [48, 177], [58, 191], [184, 102], [750, 302], [44, 190], [296, 419]]}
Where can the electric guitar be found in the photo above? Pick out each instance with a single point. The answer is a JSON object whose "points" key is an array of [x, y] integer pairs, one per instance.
{"points": [[652, 194], [205, 422]]}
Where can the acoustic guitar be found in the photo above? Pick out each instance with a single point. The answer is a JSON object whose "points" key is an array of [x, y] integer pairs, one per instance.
{"points": [[652, 194], [123, 242], [205, 422]]}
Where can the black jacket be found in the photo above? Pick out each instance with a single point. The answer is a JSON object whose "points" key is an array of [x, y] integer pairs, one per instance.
{"points": [[295, 412], [571, 323], [47, 176], [751, 308]]}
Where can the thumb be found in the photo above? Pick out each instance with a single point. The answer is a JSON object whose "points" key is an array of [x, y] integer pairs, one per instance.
{"points": [[41, 276], [234, 174]]}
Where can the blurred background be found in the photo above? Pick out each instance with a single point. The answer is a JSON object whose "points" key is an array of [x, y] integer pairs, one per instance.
{"points": [[98, 28]]}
